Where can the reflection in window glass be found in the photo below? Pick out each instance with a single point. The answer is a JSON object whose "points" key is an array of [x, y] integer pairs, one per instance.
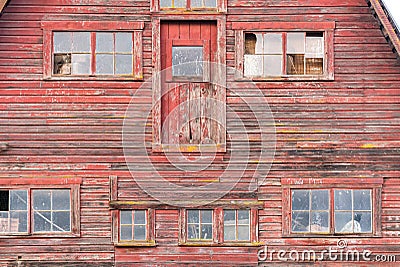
{"points": [[199, 224], [13, 211], [187, 61], [51, 210], [310, 211], [203, 3], [353, 211], [133, 225]]}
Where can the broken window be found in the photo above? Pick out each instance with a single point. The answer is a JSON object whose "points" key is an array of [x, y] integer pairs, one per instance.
{"points": [[200, 224], [236, 225], [75, 52], [51, 210], [311, 211], [133, 225], [13, 211], [273, 54]]}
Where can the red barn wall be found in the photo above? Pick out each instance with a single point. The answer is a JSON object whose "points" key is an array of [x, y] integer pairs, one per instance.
{"points": [[341, 129]]}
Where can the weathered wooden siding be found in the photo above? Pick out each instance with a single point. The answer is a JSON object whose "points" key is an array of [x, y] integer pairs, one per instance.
{"points": [[346, 128]]}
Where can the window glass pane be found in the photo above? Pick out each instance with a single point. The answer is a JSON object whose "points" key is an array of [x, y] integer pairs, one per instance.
{"points": [[295, 43], [187, 61], [206, 216], [61, 200], [179, 3], [273, 43], [320, 200], [229, 232], [314, 66], [210, 3], [193, 231], [253, 65], [126, 216], [315, 46], [365, 221], [196, 3], [81, 64], [229, 217], [19, 221], [4, 200], [362, 199], [123, 42], [62, 64], [300, 199], [62, 42], [104, 64], [42, 199], [250, 44], [300, 221], [243, 217], [18, 200], [319, 221], [343, 200], [193, 216], [243, 232], [165, 3], [125, 233], [343, 222], [104, 42], [42, 221], [206, 231], [123, 64], [140, 217], [140, 232], [61, 221], [272, 65], [259, 45], [295, 64], [81, 42], [4, 227]]}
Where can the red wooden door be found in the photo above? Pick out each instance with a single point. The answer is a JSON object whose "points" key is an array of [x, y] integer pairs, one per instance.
{"points": [[186, 47]]}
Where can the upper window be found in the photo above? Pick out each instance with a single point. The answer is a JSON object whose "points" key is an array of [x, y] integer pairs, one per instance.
{"points": [[93, 51], [282, 51], [285, 53], [200, 224], [237, 225], [26, 210]]}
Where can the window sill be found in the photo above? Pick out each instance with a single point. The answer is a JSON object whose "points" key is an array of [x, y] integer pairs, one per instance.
{"points": [[150, 243], [47, 235], [93, 78], [360, 235], [287, 78], [226, 244], [190, 148]]}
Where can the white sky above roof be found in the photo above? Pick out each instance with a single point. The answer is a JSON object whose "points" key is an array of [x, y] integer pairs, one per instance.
{"points": [[394, 8]]}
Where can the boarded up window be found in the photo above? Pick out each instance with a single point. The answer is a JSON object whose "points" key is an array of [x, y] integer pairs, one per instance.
{"points": [[266, 52], [13, 211]]}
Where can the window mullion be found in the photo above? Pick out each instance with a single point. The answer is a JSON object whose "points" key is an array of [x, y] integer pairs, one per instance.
{"points": [[93, 52], [284, 57]]}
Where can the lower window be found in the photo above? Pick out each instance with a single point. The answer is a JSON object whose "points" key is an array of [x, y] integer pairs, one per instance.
{"points": [[332, 211], [37, 211], [202, 227]]}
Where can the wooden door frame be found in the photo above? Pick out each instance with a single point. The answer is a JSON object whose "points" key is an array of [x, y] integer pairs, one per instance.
{"points": [[218, 76]]}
